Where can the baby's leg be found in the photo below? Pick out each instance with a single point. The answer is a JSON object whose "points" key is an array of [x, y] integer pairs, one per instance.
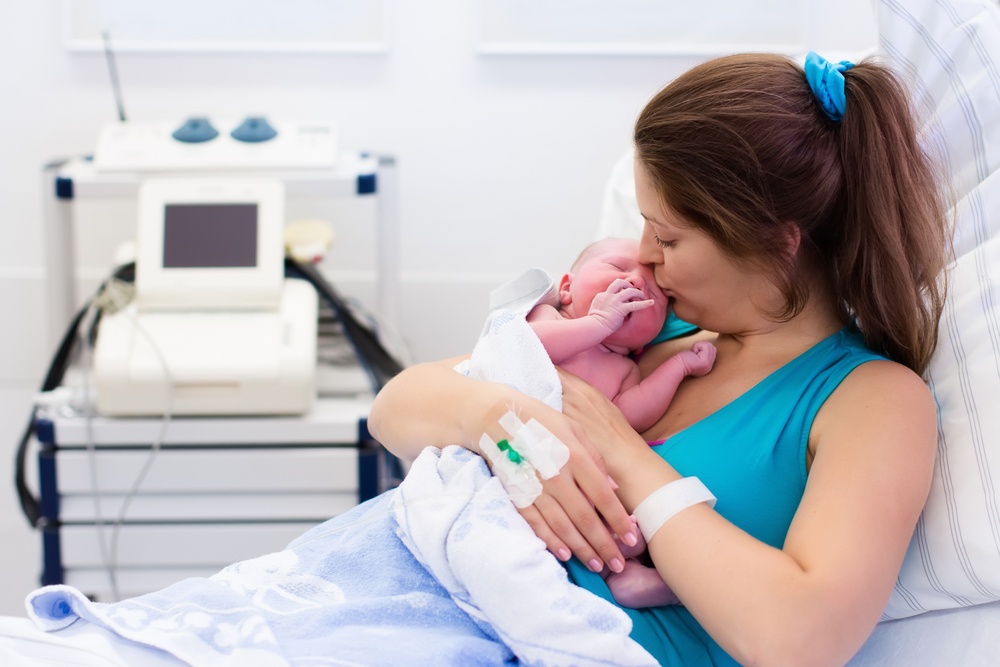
{"points": [[639, 586]]}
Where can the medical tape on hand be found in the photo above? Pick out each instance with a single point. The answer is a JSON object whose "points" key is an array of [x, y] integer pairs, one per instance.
{"points": [[536, 443], [516, 475], [531, 452], [667, 501]]}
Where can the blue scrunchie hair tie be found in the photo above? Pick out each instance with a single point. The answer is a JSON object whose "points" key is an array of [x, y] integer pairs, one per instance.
{"points": [[826, 80]]}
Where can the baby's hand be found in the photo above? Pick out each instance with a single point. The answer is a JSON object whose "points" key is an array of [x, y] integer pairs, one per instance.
{"points": [[617, 302]]}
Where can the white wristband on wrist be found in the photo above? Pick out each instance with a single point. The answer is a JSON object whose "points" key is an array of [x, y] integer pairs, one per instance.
{"points": [[661, 505]]}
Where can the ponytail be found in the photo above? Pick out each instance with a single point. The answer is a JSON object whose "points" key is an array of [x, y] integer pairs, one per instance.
{"points": [[889, 270]]}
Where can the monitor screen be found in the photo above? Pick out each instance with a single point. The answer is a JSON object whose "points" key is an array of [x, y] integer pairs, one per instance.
{"points": [[209, 236]]}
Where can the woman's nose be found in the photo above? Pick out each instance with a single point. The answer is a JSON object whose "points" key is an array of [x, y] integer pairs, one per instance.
{"points": [[649, 252]]}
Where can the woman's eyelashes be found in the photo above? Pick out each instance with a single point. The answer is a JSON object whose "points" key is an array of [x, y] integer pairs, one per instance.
{"points": [[663, 244]]}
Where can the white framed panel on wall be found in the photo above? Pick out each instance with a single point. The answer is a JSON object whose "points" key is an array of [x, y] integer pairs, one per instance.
{"points": [[661, 27], [228, 26]]}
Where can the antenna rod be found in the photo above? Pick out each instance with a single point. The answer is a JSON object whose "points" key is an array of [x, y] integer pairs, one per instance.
{"points": [[113, 70]]}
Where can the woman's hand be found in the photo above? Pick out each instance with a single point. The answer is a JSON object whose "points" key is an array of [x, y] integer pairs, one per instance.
{"points": [[608, 432], [406, 417], [570, 514]]}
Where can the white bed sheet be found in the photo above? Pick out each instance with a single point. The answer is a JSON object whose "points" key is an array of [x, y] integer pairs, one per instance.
{"points": [[968, 637], [80, 645]]}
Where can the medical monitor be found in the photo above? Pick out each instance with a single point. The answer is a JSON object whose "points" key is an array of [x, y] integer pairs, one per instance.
{"points": [[210, 244]]}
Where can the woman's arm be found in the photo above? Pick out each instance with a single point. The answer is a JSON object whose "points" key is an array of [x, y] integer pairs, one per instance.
{"points": [[816, 600], [432, 405]]}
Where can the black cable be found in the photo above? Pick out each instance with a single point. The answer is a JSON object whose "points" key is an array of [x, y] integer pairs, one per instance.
{"points": [[53, 378], [30, 505], [378, 363]]}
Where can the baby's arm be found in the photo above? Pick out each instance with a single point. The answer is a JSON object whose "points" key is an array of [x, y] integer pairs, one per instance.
{"points": [[643, 403], [565, 337]]}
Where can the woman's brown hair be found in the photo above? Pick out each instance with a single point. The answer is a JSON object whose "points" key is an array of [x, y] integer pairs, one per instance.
{"points": [[740, 148]]}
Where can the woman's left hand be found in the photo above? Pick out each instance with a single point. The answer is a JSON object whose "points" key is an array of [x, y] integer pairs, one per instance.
{"points": [[577, 512], [606, 427]]}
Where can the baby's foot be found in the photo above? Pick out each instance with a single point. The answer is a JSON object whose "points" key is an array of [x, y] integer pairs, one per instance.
{"points": [[699, 359], [639, 586]]}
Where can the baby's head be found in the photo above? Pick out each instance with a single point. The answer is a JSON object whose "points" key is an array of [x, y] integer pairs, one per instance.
{"points": [[600, 264]]}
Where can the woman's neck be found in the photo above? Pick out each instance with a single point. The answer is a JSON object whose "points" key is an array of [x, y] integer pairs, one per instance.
{"points": [[817, 320]]}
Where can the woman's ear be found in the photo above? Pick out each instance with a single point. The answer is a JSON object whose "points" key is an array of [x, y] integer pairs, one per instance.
{"points": [[565, 297], [792, 239]]}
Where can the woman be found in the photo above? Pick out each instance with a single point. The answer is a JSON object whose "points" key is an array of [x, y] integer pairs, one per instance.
{"points": [[794, 214]]}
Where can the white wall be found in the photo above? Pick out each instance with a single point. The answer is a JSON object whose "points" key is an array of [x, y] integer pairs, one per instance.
{"points": [[502, 159]]}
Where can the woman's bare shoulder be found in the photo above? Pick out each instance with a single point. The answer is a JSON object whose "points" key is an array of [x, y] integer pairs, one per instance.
{"points": [[887, 384], [884, 405]]}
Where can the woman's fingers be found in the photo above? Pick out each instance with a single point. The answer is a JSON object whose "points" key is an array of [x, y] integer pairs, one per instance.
{"points": [[578, 530], [596, 487], [575, 504], [587, 511], [552, 542], [600, 488]]}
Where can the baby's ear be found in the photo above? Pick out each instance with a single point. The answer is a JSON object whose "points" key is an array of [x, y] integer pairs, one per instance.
{"points": [[565, 298]]}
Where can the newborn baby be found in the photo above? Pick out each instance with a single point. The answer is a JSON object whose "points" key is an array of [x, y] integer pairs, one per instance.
{"points": [[609, 308]]}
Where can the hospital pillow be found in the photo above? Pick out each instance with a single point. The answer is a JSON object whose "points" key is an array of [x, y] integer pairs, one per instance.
{"points": [[950, 50]]}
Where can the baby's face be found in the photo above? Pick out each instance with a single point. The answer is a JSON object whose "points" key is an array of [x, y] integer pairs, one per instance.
{"points": [[608, 261]]}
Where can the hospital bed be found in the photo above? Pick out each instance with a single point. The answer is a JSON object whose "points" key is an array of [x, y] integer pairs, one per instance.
{"points": [[468, 608]]}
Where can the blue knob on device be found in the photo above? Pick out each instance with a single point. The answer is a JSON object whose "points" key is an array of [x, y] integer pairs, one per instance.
{"points": [[254, 130], [195, 131]]}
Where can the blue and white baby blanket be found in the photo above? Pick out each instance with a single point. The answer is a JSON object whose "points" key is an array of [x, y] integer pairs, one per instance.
{"points": [[440, 571]]}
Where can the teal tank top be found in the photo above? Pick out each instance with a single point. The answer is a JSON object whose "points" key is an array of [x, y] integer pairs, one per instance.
{"points": [[673, 327], [751, 454]]}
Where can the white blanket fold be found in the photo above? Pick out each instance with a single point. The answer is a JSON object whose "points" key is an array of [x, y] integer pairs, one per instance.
{"points": [[508, 351], [458, 522], [441, 571]]}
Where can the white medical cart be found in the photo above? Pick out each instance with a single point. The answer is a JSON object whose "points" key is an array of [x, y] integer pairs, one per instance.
{"points": [[217, 490], [89, 214], [130, 506]]}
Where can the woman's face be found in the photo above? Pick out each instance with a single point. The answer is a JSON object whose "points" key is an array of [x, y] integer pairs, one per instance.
{"points": [[705, 286]]}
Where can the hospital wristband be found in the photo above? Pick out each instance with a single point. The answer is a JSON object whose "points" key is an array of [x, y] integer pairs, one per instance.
{"points": [[663, 504]]}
